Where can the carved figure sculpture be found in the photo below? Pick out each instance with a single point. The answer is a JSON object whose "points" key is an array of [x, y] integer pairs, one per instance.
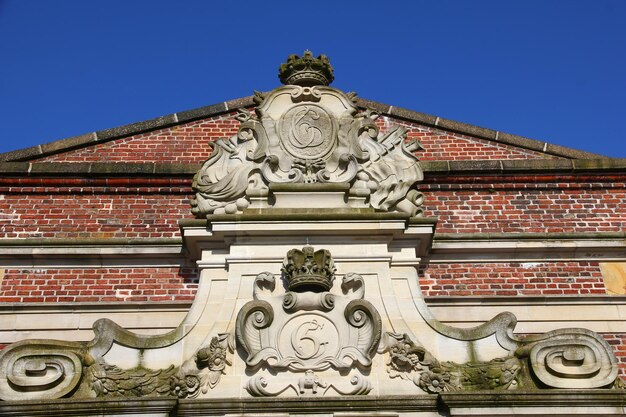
{"points": [[310, 381]]}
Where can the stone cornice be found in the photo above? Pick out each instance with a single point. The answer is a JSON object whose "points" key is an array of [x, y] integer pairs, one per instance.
{"points": [[148, 242], [570, 402], [528, 247], [121, 406], [444, 301], [431, 168]]}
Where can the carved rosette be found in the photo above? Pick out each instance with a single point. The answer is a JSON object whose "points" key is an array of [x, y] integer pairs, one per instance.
{"points": [[309, 133]]}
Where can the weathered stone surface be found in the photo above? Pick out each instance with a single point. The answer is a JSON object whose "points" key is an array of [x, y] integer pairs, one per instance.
{"points": [[194, 114], [614, 274], [65, 145], [549, 165], [122, 169], [465, 128], [59, 167], [413, 116], [134, 128], [14, 167], [521, 141], [21, 154], [475, 166]]}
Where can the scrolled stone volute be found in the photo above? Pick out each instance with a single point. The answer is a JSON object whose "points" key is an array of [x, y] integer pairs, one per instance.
{"points": [[40, 370], [570, 358]]}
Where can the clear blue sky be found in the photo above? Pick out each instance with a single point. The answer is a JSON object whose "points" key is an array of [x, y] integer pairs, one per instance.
{"points": [[549, 70]]}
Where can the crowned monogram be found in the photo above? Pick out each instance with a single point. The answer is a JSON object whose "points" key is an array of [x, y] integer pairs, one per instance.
{"points": [[310, 327]]}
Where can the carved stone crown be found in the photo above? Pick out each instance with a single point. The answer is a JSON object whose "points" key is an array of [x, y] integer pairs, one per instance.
{"points": [[306, 71], [309, 270]]}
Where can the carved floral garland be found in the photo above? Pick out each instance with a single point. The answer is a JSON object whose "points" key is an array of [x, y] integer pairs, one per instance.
{"points": [[197, 375], [409, 361]]}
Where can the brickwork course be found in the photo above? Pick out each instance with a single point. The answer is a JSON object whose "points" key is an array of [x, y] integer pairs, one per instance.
{"points": [[134, 182]]}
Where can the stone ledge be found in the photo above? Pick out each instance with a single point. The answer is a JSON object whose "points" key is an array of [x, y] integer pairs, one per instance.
{"points": [[350, 404], [471, 300], [544, 398], [530, 236], [71, 307], [443, 301], [146, 169], [90, 242], [305, 214], [97, 169], [592, 401], [521, 166], [191, 222], [91, 407]]}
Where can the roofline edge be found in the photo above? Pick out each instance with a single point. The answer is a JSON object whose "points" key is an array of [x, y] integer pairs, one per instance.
{"points": [[101, 136]]}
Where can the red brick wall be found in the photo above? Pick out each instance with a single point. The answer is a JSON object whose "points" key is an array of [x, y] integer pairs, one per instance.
{"points": [[98, 284], [185, 143], [188, 143], [152, 207], [526, 204], [512, 278], [618, 343], [88, 211]]}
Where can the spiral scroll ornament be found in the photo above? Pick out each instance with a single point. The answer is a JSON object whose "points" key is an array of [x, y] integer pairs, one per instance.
{"points": [[37, 370], [570, 358]]}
